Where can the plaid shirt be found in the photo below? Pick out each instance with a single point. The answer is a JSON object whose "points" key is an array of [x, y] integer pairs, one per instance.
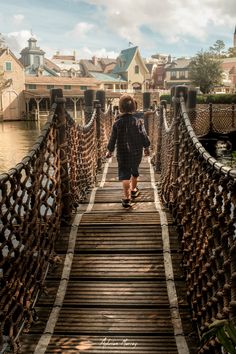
{"points": [[130, 137]]}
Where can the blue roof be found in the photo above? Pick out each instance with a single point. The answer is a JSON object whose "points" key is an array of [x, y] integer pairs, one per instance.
{"points": [[106, 77], [124, 60]]}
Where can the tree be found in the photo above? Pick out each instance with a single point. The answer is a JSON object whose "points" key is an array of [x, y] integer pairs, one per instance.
{"points": [[205, 71], [218, 48], [231, 52]]}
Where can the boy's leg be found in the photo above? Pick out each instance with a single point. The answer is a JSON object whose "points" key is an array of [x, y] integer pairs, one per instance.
{"points": [[126, 188], [133, 183]]}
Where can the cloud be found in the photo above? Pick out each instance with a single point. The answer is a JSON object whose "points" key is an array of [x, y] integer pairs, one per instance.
{"points": [[18, 18], [82, 29], [87, 53], [171, 20], [16, 41]]}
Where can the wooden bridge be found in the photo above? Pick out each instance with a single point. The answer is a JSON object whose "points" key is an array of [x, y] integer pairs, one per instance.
{"points": [[81, 275]]}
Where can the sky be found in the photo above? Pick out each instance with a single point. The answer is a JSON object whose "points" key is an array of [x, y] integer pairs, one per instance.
{"points": [[103, 28]]}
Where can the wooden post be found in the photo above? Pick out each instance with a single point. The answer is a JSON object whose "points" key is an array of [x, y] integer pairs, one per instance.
{"points": [[97, 106], [210, 118], [163, 105], [57, 96], [233, 115], [89, 97], [179, 90], [191, 104], [146, 107], [101, 97]]}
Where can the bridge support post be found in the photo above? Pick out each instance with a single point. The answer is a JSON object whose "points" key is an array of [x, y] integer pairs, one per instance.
{"points": [[57, 97], [163, 105], [101, 97], [89, 97], [179, 90], [97, 106], [191, 104], [146, 107]]}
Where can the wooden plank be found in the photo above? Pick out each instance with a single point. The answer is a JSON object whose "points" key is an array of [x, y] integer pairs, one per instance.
{"points": [[92, 321], [104, 293], [137, 205], [103, 344], [114, 196], [122, 217], [121, 237]]}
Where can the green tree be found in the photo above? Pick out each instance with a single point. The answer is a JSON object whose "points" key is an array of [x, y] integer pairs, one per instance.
{"points": [[231, 52], [205, 71], [218, 48]]}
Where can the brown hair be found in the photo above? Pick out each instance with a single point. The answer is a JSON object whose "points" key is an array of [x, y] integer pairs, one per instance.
{"points": [[127, 104]]}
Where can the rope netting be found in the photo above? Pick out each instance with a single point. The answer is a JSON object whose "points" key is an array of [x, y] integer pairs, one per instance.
{"points": [[201, 193], [34, 196]]}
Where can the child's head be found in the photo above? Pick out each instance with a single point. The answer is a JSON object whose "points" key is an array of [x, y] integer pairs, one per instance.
{"points": [[127, 104]]}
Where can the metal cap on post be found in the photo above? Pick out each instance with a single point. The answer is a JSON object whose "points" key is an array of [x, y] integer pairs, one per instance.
{"points": [[101, 97]]}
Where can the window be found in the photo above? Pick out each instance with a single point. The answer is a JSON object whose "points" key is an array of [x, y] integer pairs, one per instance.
{"points": [[49, 87], [136, 69], [173, 75], [182, 75], [31, 86], [67, 87], [8, 66], [36, 60], [83, 88]]}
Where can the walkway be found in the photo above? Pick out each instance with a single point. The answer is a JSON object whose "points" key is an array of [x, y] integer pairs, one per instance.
{"points": [[120, 297]]}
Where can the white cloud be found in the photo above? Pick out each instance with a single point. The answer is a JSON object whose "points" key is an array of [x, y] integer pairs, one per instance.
{"points": [[82, 29], [172, 19], [87, 53], [17, 40], [18, 18]]}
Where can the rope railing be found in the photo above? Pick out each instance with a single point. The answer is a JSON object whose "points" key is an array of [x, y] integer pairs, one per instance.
{"points": [[201, 192], [35, 196], [30, 209]]}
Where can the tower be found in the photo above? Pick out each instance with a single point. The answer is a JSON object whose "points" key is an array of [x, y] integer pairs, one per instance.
{"points": [[235, 37]]}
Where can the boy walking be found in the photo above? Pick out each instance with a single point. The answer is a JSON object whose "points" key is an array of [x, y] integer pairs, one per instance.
{"points": [[129, 136]]}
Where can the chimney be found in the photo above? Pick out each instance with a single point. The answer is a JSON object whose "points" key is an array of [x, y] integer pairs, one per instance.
{"points": [[94, 60]]}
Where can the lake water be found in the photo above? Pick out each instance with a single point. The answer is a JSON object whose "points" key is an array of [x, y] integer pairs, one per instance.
{"points": [[16, 140]]}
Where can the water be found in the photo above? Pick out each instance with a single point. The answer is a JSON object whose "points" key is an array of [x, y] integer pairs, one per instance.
{"points": [[16, 140]]}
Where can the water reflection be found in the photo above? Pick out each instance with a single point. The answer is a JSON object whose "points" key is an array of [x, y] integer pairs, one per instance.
{"points": [[16, 140]]}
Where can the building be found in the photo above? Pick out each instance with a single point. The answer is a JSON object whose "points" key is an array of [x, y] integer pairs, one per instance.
{"points": [[38, 89], [177, 73], [229, 76], [12, 82], [131, 68], [32, 58], [235, 37], [68, 65]]}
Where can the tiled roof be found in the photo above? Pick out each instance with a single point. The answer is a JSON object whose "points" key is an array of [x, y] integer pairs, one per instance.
{"points": [[51, 65], [63, 57], [178, 64], [106, 77], [53, 80], [90, 65], [125, 59], [107, 61]]}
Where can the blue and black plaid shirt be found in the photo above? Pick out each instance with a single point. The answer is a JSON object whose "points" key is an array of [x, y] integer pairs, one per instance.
{"points": [[130, 137]]}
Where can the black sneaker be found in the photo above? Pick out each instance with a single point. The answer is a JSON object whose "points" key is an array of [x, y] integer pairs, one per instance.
{"points": [[135, 194], [126, 203]]}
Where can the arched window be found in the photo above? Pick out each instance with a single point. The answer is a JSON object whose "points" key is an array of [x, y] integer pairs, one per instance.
{"points": [[136, 69]]}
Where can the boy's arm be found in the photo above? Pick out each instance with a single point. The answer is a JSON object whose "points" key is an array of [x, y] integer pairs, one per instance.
{"points": [[112, 142]]}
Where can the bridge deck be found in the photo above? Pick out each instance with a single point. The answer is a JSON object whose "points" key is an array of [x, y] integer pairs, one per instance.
{"points": [[116, 299]]}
